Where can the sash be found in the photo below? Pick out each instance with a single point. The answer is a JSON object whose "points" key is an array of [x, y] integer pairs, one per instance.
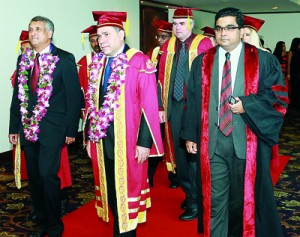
{"points": [[17, 167], [193, 52]]}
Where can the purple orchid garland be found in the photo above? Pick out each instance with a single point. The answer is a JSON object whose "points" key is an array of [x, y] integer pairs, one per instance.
{"points": [[101, 119], [44, 91]]}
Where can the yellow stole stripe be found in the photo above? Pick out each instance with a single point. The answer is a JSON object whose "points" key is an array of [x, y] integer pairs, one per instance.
{"points": [[168, 68], [154, 55], [17, 168], [121, 158], [88, 62], [193, 52]]}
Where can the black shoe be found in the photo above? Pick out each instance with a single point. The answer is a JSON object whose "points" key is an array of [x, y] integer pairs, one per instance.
{"points": [[184, 205], [189, 214], [174, 184], [40, 233]]}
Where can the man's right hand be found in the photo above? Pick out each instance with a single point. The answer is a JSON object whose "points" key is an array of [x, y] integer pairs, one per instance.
{"points": [[13, 138], [191, 147]]}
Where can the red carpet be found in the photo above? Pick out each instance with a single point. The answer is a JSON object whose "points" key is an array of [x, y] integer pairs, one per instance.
{"points": [[162, 217]]}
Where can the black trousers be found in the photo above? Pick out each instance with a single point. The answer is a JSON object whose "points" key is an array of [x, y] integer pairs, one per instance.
{"points": [[42, 164], [112, 201], [185, 163]]}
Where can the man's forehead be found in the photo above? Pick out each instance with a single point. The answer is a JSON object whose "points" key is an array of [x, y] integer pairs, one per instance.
{"points": [[105, 29], [179, 20], [228, 20]]}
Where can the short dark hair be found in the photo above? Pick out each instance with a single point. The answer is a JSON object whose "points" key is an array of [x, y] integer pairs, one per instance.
{"points": [[231, 11]]}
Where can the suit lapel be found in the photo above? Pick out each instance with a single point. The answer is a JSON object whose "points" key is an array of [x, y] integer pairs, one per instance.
{"points": [[239, 79], [215, 77]]}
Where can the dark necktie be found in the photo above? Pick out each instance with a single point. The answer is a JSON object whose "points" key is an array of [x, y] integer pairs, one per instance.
{"points": [[35, 73], [225, 114], [107, 73], [179, 78]]}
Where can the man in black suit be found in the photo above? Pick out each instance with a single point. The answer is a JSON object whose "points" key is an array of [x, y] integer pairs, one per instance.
{"points": [[44, 115], [236, 100]]}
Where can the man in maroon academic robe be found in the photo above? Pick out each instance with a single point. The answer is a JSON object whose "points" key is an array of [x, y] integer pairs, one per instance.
{"points": [[121, 104], [175, 63]]}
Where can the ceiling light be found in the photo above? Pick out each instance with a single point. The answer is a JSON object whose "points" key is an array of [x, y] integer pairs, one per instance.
{"points": [[274, 8]]}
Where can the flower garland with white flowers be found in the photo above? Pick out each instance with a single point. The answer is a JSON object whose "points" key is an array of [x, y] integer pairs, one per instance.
{"points": [[44, 91], [101, 119]]}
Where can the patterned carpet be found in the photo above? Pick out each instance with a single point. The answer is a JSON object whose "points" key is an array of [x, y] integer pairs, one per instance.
{"points": [[15, 204]]}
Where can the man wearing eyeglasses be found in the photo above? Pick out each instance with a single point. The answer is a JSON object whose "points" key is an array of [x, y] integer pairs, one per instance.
{"points": [[178, 54], [236, 100], [163, 33]]}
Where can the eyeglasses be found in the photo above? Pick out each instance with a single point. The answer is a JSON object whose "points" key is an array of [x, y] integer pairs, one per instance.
{"points": [[163, 37], [226, 28]]}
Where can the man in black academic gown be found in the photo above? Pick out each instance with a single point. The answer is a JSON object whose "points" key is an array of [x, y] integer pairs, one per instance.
{"points": [[236, 100]]}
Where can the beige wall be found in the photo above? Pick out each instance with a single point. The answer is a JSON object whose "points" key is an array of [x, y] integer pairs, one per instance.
{"points": [[277, 27], [70, 17]]}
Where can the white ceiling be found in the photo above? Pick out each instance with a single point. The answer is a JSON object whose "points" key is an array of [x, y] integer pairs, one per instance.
{"points": [[246, 6]]}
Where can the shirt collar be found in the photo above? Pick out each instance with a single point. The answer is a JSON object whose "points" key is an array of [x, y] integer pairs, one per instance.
{"points": [[234, 53], [45, 50]]}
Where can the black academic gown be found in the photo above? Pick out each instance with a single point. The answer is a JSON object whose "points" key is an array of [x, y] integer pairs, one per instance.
{"points": [[262, 118]]}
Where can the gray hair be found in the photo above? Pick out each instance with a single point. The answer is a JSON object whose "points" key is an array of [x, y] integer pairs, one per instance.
{"points": [[48, 22]]}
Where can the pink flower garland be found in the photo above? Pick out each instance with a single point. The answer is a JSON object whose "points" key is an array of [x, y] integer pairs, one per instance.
{"points": [[101, 119], [44, 91]]}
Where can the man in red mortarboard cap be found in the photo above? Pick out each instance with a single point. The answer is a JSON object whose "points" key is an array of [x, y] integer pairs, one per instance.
{"points": [[163, 33], [86, 60], [24, 40], [210, 33], [122, 125], [236, 100], [178, 54]]}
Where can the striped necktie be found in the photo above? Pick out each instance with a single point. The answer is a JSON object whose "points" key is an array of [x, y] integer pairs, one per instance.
{"points": [[225, 114]]}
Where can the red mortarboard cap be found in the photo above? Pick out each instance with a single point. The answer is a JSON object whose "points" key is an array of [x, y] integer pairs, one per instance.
{"points": [[92, 30], [114, 19], [24, 36], [163, 26], [252, 22], [208, 31], [184, 12]]}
